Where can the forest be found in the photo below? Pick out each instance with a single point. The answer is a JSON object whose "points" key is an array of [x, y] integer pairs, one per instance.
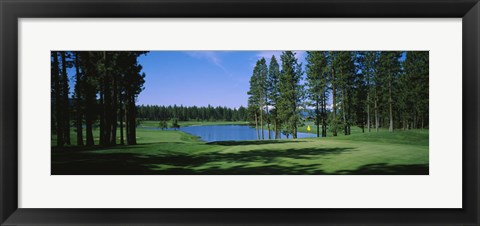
{"points": [[368, 89], [106, 86], [191, 113]]}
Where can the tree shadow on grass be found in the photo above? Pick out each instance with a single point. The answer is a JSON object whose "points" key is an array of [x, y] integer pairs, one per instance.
{"points": [[386, 169], [294, 169], [270, 155], [240, 163], [55, 149], [88, 163], [267, 162]]}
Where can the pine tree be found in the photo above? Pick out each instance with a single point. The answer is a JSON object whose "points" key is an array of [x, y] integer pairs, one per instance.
{"points": [[388, 71], [65, 99], [291, 92], [57, 91], [262, 92], [416, 88], [106, 88], [273, 81], [78, 99], [88, 62], [368, 68], [345, 73], [254, 97], [359, 92], [317, 82], [333, 82]]}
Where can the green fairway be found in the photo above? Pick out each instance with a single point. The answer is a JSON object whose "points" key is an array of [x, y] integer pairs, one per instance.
{"points": [[176, 152]]}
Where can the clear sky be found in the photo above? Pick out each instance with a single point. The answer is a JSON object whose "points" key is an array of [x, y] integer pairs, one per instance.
{"points": [[218, 78]]}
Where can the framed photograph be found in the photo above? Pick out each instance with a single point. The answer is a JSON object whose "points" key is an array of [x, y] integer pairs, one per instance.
{"points": [[226, 112]]}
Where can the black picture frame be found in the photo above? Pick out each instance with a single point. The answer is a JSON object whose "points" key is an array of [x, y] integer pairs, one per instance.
{"points": [[12, 10]]}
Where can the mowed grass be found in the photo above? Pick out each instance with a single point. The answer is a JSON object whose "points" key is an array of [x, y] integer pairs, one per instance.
{"points": [[175, 152]]}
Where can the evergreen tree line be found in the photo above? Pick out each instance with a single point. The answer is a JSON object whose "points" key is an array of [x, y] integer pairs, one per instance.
{"points": [[192, 113], [105, 87], [368, 89]]}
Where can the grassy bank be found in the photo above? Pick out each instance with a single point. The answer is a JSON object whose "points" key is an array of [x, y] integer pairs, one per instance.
{"points": [[154, 124], [175, 152]]}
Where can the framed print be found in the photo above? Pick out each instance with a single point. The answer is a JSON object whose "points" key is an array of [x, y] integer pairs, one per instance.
{"points": [[225, 112]]}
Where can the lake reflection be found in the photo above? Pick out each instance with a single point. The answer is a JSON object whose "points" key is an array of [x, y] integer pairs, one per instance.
{"points": [[231, 132]]}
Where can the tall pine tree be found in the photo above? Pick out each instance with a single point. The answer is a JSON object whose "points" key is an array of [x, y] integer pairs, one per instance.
{"points": [[291, 93]]}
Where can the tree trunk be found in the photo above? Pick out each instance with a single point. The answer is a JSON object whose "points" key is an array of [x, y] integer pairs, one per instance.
{"points": [[107, 101], [127, 122], [134, 121], [344, 111], [390, 106], [275, 128], [324, 116], [368, 112], [261, 121], [102, 116], [78, 94], [348, 108], [90, 100], [256, 127], [58, 99], [414, 121], [89, 117], [334, 103], [268, 123], [113, 138], [318, 114], [122, 115], [131, 136], [376, 112], [65, 107]]}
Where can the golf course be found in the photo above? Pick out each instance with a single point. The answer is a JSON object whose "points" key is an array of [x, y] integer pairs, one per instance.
{"points": [[164, 152], [239, 112]]}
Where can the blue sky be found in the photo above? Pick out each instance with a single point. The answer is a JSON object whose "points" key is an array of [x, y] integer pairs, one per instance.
{"points": [[218, 78]]}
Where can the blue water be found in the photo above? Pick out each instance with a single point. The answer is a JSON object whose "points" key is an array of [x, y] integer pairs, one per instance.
{"points": [[231, 132]]}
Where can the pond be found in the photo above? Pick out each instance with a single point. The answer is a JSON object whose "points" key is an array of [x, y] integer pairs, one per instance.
{"points": [[231, 132]]}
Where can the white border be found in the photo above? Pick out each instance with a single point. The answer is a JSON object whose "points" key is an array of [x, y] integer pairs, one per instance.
{"points": [[441, 189]]}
